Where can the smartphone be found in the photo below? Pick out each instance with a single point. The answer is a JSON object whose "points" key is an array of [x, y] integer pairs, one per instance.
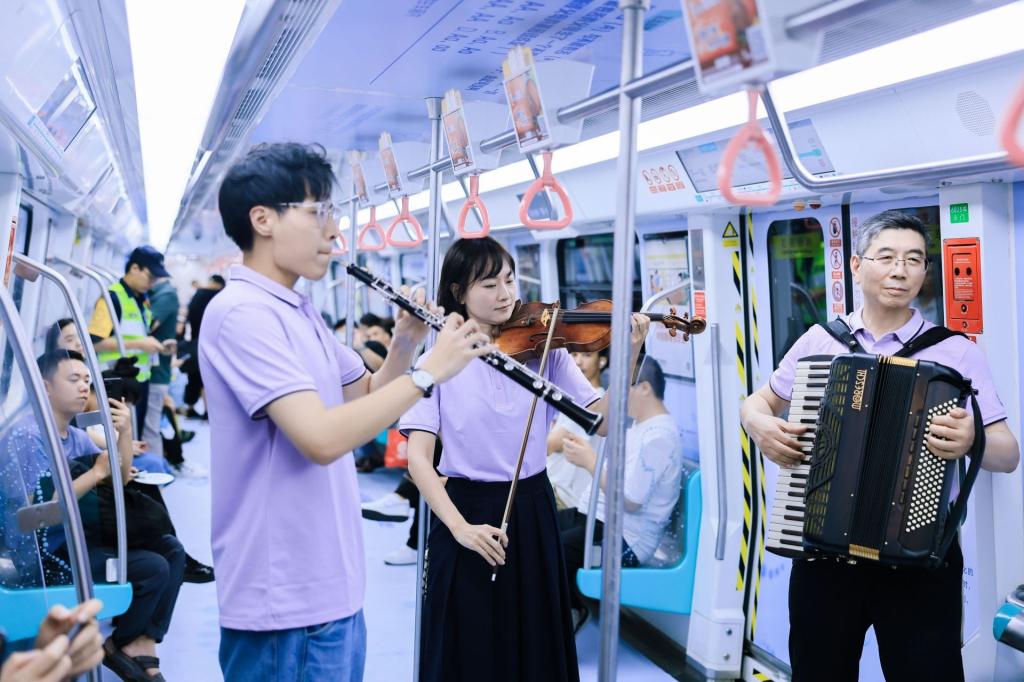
{"points": [[186, 356], [115, 387]]}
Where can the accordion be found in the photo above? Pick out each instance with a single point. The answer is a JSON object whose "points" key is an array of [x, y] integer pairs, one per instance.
{"points": [[868, 487]]}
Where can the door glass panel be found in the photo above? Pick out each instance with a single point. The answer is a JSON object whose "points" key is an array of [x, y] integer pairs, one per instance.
{"points": [[37, 474], [796, 269]]}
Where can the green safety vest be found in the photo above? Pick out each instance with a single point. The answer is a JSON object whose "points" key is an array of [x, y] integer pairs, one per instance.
{"points": [[134, 325]]}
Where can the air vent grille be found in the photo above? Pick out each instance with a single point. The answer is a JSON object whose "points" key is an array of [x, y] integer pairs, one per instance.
{"points": [[975, 113]]}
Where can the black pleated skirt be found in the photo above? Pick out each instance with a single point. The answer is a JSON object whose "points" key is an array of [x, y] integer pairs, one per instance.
{"points": [[516, 628]]}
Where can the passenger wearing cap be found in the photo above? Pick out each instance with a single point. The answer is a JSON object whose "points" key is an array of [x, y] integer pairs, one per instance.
{"points": [[128, 295]]}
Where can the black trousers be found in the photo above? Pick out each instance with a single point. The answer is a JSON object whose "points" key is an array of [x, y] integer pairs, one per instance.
{"points": [[156, 575], [916, 614], [194, 387], [141, 409], [572, 525], [409, 491]]}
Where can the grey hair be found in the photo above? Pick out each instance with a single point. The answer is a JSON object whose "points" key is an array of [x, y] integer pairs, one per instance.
{"points": [[889, 220]]}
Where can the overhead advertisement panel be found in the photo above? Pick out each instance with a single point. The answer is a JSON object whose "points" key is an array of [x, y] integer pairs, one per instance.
{"points": [[701, 161]]}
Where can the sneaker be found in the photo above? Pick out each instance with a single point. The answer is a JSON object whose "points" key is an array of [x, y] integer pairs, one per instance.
{"points": [[391, 507], [403, 556], [189, 469], [187, 435], [579, 619]]}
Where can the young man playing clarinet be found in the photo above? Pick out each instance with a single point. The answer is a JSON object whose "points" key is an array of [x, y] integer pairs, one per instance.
{"points": [[916, 613], [287, 404]]}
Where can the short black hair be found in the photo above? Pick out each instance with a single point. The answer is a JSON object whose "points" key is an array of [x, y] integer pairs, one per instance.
{"points": [[54, 332], [50, 360], [371, 320], [469, 261], [651, 372], [272, 175], [217, 279], [340, 323]]}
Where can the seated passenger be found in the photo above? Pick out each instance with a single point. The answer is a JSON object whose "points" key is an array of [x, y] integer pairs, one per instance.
{"points": [[569, 481], [154, 571], [62, 335], [654, 457]]}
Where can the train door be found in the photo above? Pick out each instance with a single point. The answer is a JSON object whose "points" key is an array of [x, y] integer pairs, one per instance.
{"points": [[794, 271]]}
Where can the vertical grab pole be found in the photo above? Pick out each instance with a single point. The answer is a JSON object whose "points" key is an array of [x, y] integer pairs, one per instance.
{"points": [[716, 390], [622, 290], [350, 285], [433, 262]]}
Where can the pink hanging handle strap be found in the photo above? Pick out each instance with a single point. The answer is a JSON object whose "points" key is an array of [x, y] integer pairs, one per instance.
{"points": [[545, 181], [1008, 133], [340, 246], [750, 133], [405, 218], [372, 226], [474, 201]]}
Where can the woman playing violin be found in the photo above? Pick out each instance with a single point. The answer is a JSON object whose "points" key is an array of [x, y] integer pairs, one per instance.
{"points": [[519, 626]]}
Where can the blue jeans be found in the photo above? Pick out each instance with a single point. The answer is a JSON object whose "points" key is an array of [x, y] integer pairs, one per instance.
{"points": [[334, 652]]}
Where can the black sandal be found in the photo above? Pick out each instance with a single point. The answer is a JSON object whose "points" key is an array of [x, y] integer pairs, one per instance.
{"points": [[147, 662], [128, 668]]}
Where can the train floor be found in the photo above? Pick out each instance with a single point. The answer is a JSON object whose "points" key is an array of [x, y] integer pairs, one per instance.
{"points": [[189, 651]]}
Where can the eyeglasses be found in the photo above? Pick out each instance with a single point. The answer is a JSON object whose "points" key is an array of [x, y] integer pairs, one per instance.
{"points": [[912, 263], [325, 210]]}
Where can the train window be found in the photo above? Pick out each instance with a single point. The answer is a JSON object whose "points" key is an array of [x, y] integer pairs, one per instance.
{"points": [[528, 270], [796, 270], [585, 270]]}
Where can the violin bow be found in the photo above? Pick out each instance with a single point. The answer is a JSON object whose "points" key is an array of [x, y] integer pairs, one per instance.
{"points": [[526, 433]]}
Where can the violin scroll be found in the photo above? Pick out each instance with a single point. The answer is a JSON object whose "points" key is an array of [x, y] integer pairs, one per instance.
{"points": [[689, 326]]}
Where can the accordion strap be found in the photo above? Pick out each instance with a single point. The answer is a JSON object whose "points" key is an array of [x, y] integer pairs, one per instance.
{"points": [[959, 509], [841, 332]]}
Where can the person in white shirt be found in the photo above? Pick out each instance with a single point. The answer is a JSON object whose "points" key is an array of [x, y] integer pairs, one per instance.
{"points": [[654, 455], [569, 481]]}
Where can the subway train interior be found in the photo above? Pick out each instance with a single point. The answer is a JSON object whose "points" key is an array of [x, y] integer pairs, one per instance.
{"points": [[742, 172]]}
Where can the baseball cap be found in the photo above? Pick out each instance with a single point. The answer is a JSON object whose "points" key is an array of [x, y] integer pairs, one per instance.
{"points": [[150, 258]]}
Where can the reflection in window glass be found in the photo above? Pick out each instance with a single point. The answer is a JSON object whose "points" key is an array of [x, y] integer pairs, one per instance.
{"points": [[22, 459], [930, 300], [528, 271], [585, 270], [796, 271]]}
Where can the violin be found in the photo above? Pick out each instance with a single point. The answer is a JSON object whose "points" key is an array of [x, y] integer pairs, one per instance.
{"points": [[585, 329]]}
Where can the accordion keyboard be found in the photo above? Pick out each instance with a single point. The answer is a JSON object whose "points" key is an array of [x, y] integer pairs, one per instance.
{"points": [[786, 523]]}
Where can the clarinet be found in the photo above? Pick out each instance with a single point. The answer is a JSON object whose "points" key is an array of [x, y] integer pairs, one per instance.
{"points": [[519, 373]]}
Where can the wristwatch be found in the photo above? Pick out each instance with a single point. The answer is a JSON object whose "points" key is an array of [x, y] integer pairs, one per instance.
{"points": [[423, 380]]}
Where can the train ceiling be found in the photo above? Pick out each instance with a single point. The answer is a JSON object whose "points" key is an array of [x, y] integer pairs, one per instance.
{"points": [[368, 65]]}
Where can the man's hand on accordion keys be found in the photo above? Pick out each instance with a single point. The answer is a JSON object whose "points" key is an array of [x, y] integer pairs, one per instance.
{"points": [[776, 438], [952, 434]]}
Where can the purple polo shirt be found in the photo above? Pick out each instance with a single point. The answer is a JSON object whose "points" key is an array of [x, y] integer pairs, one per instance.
{"points": [[287, 536], [956, 352], [480, 415]]}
